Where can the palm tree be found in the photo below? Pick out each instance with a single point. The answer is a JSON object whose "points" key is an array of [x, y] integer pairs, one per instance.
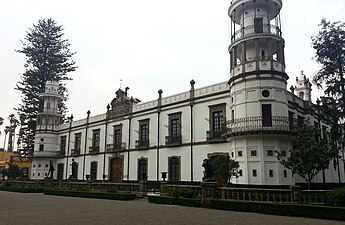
{"points": [[1, 122], [12, 130], [7, 129]]}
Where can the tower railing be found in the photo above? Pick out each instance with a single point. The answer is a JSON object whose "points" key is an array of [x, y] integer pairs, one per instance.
{"points": [[259, 124], [250, 30]]}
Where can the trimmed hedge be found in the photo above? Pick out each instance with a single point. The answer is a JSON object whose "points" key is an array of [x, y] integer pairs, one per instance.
{"points": [[168, 200], [88, 194], [21, 189], [194, 202], [336, 197], [320, 212]]}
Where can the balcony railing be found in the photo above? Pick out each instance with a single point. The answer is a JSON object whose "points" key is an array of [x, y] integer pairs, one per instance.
{"points": [[75, 152], [215, 135], [142, 143], [259, 124], [93, 149], [116, 147], [250, 30], [173, 140], [61, 153]]}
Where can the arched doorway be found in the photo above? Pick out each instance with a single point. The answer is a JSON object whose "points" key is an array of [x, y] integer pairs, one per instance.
{"points": [[116, 169]]}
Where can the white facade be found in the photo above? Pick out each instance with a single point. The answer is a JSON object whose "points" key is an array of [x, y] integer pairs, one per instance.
{"points": [[250, 118]]}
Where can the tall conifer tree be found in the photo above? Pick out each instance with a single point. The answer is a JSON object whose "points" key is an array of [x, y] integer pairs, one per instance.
{"points": [[47, 58]]}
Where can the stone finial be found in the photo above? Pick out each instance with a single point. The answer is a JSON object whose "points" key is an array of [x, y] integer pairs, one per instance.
{"points": [[160, 92], [192, 82], [126, 90], [292, 89], [88, 113], [108, 107]]}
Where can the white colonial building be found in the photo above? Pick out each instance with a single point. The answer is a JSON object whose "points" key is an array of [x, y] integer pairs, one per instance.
{"points": [[250, 117]]}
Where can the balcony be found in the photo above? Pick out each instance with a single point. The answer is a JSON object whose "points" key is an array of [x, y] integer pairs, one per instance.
{"points": [[215, 136], [260, 125], [250, 30], [61, 154], [142, 143], [173, 140], [93, 149], [116, 147], [75, 152]]}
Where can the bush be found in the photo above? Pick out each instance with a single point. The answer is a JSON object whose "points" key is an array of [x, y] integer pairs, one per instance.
{"points": [[320, 212], [87, 194], [336, 197], [181, 193], [194, 202], [167, 200], [20, 189]]}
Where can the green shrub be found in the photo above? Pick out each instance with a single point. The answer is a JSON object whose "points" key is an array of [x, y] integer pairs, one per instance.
{"points": [[336, 197], [181, 193], [21, 189], [7, 184], [87, 194], [194, 202], [167, 200], [320, 212]]}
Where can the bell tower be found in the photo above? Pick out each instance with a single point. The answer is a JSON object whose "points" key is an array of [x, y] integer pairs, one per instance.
{"points": [[259, 118]]}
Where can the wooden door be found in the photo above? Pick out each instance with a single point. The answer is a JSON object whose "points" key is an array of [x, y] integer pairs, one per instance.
{"points": [[116, 169]]}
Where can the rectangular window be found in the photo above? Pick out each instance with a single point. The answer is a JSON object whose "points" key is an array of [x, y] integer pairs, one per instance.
{"points": [[93, 170], [143, 141], [254, 172], [77, 143], [216, 121], [142, 169], [258, 25], [174, 129], [240, 173], [269, 152], [60, 169], [291, 120], [117, 137], [239, 153], [270, 173], [253, 153], [174, 169], [63, 145], [95, 141], [267, 115], [285, 173], [41, 147]]}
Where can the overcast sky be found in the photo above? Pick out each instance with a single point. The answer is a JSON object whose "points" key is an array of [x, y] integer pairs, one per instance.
{"points": [[148, 44]]}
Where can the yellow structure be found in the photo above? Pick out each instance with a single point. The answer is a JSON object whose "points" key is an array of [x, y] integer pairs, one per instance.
{"points": [[8, 158]]}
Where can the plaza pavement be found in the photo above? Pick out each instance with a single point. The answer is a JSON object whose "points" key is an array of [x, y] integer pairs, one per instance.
{"points": [[39, 209]]}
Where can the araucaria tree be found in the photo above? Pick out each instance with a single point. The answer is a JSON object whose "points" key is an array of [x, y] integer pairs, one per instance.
{"points": [[47, 58], [310, 153], [329, 44]]}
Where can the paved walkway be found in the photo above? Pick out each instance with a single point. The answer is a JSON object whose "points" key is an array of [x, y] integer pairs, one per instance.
{"points": [[18, 208]]}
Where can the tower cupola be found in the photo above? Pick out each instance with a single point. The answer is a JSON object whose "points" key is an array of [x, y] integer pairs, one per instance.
{"points": [[303, 87]]}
